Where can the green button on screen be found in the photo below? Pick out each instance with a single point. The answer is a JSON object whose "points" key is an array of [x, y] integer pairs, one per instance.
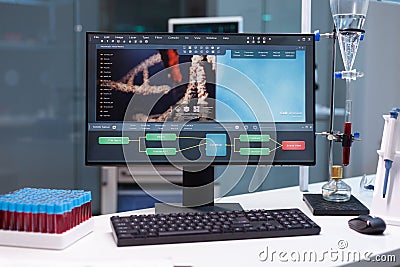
{"points": [[113, 140], [161, 151], [254, 138], [254, 151], [160, 137]]}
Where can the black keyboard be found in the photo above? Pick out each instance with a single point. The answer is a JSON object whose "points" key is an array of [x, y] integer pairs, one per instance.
{"points": [[153, 229]]}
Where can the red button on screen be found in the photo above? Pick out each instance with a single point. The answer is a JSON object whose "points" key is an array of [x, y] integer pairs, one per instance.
{"points": [[293, 145]]}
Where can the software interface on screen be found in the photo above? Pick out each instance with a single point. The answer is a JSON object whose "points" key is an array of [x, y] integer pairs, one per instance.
{"points": [[200, 98]]}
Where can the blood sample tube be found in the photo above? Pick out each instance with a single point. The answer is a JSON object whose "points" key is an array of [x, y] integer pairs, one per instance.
{"points": [[78, 199], [11, 212], [81, 200], [58, 217], [84, 207], [87, 210], [19, 216], [35, 217], [27, 217], [68, 214], [75, 210], [2, 213], [65, 217], [50, 210], [90, 204], [6, 215], [42, 217]]}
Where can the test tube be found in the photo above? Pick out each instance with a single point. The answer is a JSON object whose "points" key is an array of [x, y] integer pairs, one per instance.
{"points": [[35, 217], [50, 210], [42, 217], [19, 216], [2, 213], [59, 213], [347, 126], [6, 215], [65, 216], [88, 205], [75, 211], [83, 206], [27, 217], [11, 218], [68, 214]]}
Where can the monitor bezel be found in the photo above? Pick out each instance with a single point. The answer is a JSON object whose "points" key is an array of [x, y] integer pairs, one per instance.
{"points": [[205, 20]]}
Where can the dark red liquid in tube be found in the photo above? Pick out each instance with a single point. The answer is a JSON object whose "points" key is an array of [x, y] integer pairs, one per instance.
{"points": [[2, 218], [5, 220], [50, 223], [59, 226], [19, 221], [12, 216], [73, 217], [28, 222], [12, 223]]}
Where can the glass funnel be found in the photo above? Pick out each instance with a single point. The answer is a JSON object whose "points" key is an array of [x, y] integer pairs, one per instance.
{"points": [[349, 18]]}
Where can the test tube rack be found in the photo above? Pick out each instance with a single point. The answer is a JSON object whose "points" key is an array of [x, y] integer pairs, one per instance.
{"points": [[44, 218], [388, 208]]}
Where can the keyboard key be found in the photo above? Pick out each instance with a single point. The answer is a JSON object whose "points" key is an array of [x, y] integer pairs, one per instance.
{"points": [[192, 232], [294, 226]]}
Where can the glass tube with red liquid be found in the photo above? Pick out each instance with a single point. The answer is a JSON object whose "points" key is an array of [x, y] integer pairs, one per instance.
{"points": [[35, 217], [347, 127], [50, 210], [19, 216], [28, 217], [59, 224], [3, 214], [11, 216]]}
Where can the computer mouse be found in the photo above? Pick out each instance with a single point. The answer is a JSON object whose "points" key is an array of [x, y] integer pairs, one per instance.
{"points": [[367, 224]]}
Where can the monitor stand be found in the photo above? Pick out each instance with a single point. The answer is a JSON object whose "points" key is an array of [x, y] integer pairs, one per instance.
{"points": [[197, 194]]}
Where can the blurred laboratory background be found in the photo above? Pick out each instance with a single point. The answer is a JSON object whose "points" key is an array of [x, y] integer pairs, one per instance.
{"points": [[42, 85]]}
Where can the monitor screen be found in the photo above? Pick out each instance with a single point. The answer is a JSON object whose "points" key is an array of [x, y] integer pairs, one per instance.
{"points": [[195, 98], [207, 24]]}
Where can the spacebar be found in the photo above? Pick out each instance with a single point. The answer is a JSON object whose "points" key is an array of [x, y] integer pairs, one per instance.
{"points": [[189, 232]]}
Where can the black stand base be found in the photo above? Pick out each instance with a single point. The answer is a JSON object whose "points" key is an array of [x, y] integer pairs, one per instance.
{"points": [[164, 208], [320, 206], [197, 194]]}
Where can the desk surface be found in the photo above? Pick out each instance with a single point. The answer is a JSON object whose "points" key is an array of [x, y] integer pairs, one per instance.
{"points": [[335, 235]]}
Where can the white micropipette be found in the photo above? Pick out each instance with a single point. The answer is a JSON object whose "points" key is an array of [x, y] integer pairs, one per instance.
{"points": [[390, 151]]}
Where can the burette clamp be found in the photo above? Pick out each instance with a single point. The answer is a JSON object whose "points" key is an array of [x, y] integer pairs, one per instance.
{"points": [[340, 137], [349, 74], [318, 35], [331, 35], [347, 140]]}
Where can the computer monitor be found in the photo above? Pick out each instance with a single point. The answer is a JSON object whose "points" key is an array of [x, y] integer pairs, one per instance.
{"points": [[232, 24], [197, 100]]}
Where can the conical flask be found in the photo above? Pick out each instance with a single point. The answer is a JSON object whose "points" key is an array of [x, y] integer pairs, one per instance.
{"points": [[349, 18]]}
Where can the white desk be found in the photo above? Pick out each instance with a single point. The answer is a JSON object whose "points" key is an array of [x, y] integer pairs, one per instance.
{"points": [[100, 245]]}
